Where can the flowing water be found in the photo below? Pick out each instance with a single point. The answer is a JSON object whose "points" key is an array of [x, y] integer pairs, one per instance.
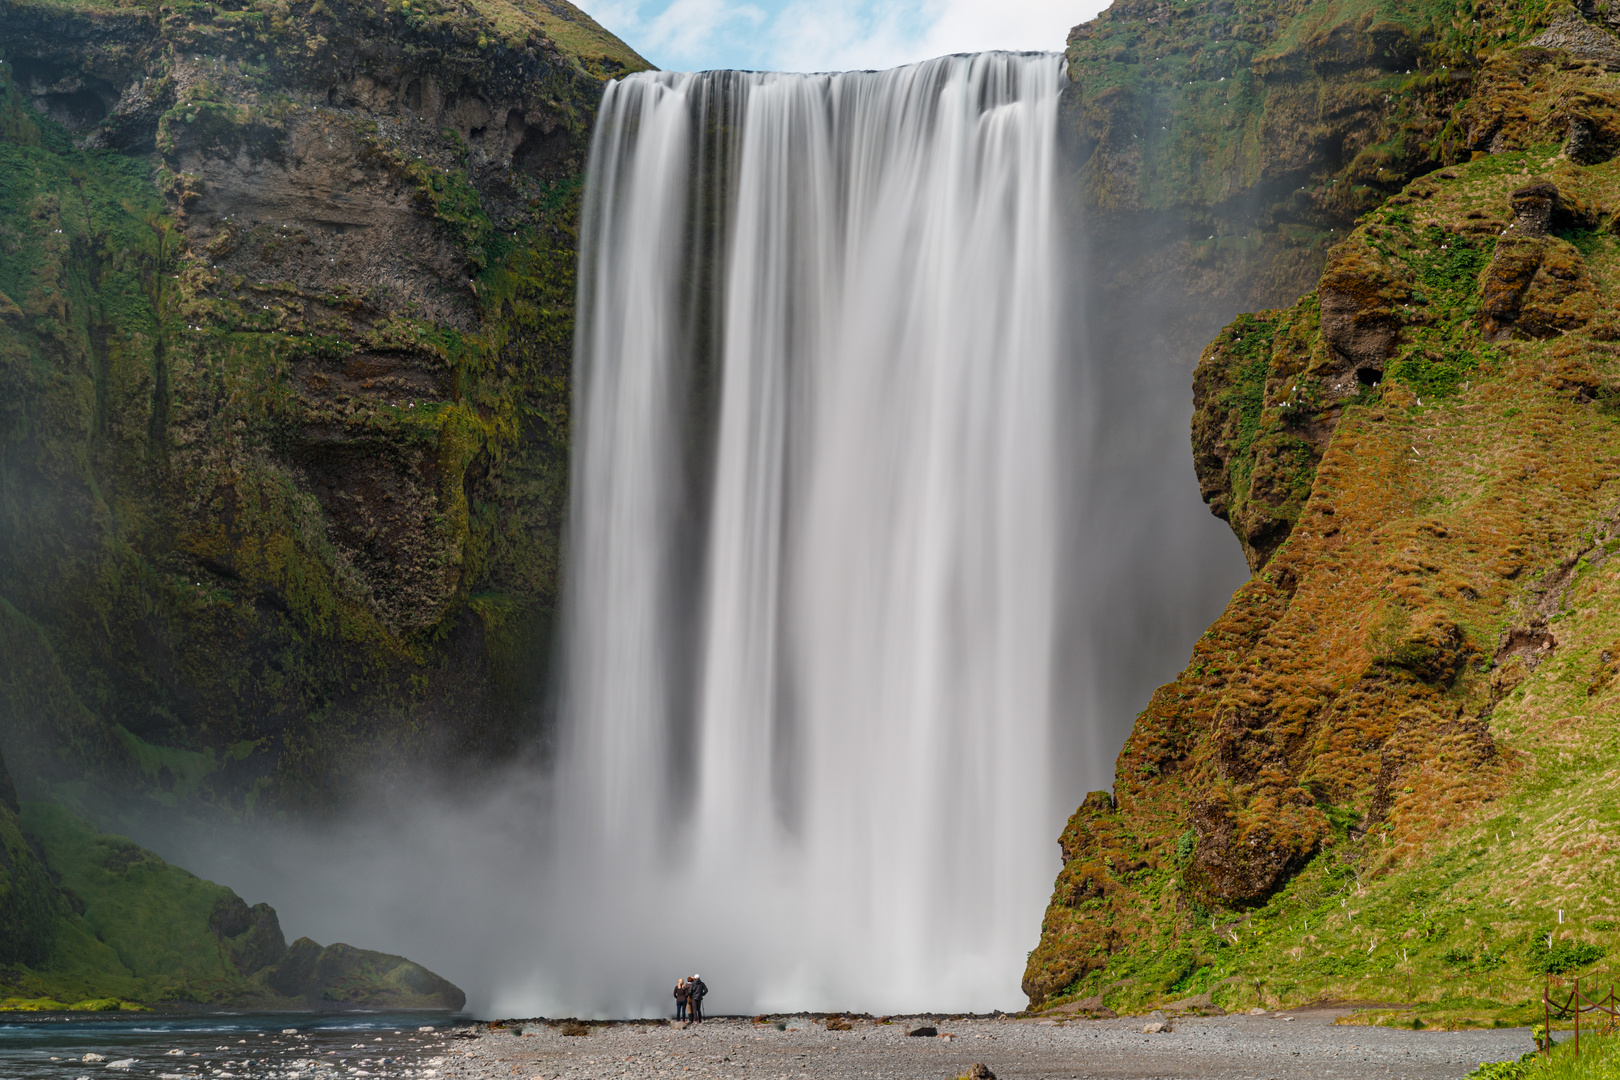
{"points": [[816, 518], [882, 531], [249, 1046]]}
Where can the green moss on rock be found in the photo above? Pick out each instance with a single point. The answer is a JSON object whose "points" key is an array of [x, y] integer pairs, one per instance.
{"points": [[285, 459], [30, 904], [1381, 769], [1223, 148]]}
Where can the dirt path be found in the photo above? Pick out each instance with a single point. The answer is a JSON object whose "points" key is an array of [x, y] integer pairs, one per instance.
{"points": [[1272, 1047]]}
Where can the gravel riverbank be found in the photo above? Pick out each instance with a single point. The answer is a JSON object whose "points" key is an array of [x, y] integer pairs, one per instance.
{"points": [[1305, 1044]]}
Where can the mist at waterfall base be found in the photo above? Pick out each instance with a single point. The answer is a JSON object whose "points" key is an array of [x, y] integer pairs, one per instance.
{"points": [[882, 531]]}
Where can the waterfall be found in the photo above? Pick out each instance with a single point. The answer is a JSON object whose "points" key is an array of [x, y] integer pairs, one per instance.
{"points": [[868, 572], [812, 591]]}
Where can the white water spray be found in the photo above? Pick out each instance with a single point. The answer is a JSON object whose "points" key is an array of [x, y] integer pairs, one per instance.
{"points": [[816, 561], [813, 588]]}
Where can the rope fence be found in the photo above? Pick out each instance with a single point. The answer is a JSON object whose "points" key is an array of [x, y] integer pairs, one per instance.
{"points": [[1573, 1005]]}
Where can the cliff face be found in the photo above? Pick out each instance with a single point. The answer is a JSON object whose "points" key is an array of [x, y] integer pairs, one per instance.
{"points": [[285, 321], [1387, 763], [1224, 145]]}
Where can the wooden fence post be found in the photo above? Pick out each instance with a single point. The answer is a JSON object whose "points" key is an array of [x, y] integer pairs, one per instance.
{"points": [[1546, 1011]]}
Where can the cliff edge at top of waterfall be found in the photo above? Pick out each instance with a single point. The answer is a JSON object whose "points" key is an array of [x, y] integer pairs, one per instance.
{"points": [[1386, 773], [286, 315]]}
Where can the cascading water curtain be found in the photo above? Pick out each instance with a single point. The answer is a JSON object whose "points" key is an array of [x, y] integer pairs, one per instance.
{"points": [[813, 547]]}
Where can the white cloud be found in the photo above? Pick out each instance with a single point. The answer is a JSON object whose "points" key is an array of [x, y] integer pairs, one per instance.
{"points": [[833, 35], [840, 35], [680, 34], [1021, 25], [689, 27]]}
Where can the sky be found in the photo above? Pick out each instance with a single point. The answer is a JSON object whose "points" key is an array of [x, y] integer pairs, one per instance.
{"points": [[832, 35]]}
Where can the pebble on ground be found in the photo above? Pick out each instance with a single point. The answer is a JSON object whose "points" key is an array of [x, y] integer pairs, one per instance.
{"points": [[1305, 1044]]}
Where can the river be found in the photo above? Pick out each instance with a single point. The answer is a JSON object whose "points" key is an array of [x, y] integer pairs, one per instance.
{"points": [[284, 1046]]}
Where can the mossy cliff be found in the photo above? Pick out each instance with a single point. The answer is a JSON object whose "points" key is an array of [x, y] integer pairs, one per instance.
{"points": [[1223, 146], [93, 922], [1387, 772], [286, 303]]}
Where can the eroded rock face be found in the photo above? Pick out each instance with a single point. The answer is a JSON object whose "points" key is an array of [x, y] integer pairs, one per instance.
{"points": [[1222, 147], [1263, 408], [1374, 447], [1084, 922], [1542, 92], [340, 976], [252, 934], [310, 319], [1243, 857], [1359, 331], [1577, 36], [1536, 285]]}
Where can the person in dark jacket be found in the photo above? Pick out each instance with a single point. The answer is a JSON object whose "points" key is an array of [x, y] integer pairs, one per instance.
{"points": [[682, 996], [695, 991]]}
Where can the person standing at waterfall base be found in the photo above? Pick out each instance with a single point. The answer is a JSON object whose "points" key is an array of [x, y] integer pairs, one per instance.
{"points": [[682, 996], [695, 990]]}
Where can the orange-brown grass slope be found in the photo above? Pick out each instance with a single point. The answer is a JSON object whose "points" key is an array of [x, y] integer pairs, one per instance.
{"points": [[1417, 458]]}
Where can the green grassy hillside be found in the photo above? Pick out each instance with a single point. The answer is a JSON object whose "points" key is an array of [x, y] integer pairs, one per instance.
{"points": [[94, 922]]}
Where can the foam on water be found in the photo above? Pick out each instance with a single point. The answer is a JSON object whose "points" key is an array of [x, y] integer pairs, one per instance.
{"points": [[250, 1046]]}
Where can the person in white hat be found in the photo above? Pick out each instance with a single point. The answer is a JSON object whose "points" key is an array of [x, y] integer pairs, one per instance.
{"points": [[695, 989]]}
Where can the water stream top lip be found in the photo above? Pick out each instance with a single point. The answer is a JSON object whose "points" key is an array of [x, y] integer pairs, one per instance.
{"points": [[1057, 55]]}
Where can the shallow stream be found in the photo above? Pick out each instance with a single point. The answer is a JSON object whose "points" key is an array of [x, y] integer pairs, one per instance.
{"points": [[265, 1046]]}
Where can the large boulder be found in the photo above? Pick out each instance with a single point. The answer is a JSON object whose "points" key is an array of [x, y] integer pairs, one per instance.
{"points": [[339, 976]]}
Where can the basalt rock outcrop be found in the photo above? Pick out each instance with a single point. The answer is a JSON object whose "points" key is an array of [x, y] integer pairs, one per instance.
{"points": [[285, 321], [1388, 760]]}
